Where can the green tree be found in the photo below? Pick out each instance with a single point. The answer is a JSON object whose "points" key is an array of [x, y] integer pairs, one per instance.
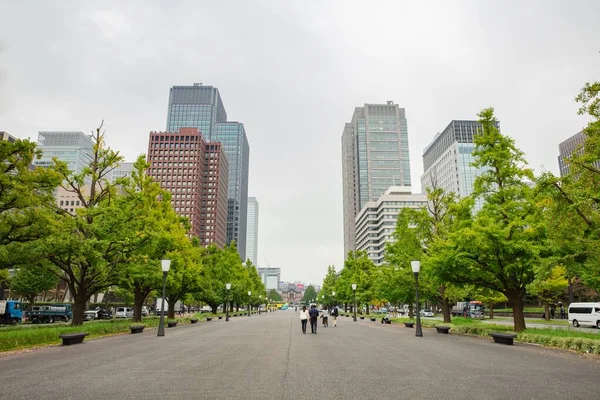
{"points": [[548, 286], [500, 246], [31, 280], [274, 295], [358, 269], [184, 277], [310, 294], [85, 247], [328, 285]]}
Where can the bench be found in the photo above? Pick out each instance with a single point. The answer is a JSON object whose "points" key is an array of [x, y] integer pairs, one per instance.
{"points": [[220, 317], [442, 329], [373, 318], [362, 317], [409, 324], [136, 328], [208, 318], [172, 324], [194, 320], [72, 338], [503, 338]]}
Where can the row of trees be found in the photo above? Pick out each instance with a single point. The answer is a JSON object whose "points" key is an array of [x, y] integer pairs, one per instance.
{"points": [[530, 235], [116, 239]]}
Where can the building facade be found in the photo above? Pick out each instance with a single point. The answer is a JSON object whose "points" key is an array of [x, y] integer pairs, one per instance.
{"points": [[201, 107], [252, 231], [376, 222], [7, 137], [123, 170], [270, 277], [566, 150], [196, 173], [74, 148], [374, 157], [447, 160]]}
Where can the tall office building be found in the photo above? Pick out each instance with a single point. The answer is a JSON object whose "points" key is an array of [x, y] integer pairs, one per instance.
{"points": [[252, 231], [566, 150], [6, 136], [74, 148], [270, 276], [124, 169], [447, 160], [376, 222], [195, 172], [201, 107], [374, 157]]}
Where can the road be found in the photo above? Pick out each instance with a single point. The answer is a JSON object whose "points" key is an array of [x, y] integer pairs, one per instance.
{"points": [[267, 357]]}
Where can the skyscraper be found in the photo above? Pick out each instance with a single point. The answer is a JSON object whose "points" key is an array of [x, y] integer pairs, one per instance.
{"points": [[252, 231], [374, 157], [566, 149], [447, 159], [196, 173], [201, 107], [6, 136], [74, 148]]}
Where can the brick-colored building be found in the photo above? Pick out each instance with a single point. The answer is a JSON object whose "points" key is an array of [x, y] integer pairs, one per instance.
{"points": [[196, 174]]}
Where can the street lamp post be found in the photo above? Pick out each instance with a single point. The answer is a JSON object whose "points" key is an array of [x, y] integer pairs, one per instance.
{"points": [[333, 298], [416, 266], [323, 299], [249, 294], [165, 265], [259, 303], [228, 287], [354, 290]]}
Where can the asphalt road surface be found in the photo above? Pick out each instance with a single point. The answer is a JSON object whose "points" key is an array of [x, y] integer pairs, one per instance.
{"points": [[267, 357]]}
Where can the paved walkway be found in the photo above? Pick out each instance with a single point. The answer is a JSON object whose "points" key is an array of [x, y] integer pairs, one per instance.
{"points": [[267, 357]]}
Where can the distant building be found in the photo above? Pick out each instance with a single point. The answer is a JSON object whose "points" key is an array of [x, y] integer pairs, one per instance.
{"points": [[291, 293], [374, 157], [270, 277], [74, 148], [447, 159], [376, 222], [252, 231], [6, 136], [566, 150], [124, 169], [196, 173]]}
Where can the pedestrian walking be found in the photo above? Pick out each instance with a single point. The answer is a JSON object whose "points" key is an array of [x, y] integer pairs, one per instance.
{"points": [[552, 311], [304, 318], [334, 315], [313, 314], [562, 312], [325, 316]]}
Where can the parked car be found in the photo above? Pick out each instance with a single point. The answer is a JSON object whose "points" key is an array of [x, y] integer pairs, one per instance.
{"points": [[145, 311], [124, 312], [97, 314], [426, 313], [584, 314]]}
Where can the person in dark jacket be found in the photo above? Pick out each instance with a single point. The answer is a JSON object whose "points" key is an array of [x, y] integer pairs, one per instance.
{"points": [[314, 315]]}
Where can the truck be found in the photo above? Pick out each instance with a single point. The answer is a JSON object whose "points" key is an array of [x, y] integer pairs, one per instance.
{"points": [[50, 313], [10, 312], [469, 309]]}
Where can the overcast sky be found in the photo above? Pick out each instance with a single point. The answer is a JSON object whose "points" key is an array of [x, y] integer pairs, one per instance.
{"points": [[293, 72]]}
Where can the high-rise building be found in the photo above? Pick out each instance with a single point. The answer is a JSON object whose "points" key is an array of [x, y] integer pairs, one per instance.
{"points": [[7, 137], [374, 157], [201, 107], [196, 173], [124, 169], [195, 106], [252, 231], [376, 222], [74, 148], [270, 276], [447, 160], [566, 150]]}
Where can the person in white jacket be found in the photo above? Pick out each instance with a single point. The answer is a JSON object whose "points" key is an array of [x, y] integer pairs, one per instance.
{"points": [[304, 318]]}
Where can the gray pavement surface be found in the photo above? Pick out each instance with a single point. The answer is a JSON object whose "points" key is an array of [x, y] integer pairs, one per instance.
{"points": [[267, 357]]}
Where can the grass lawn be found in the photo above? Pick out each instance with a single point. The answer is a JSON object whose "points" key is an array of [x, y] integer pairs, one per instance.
{"points": [[24, 336], [527, 310]]}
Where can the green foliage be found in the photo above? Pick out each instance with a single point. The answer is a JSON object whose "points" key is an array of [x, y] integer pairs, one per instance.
{"points": [[310, 294], [29, 281], [273, 295], [550, 285], [328, 285]]}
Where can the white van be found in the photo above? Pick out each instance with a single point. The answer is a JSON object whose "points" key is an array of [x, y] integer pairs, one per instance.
{"points": [[584, 314], [124, 312]]}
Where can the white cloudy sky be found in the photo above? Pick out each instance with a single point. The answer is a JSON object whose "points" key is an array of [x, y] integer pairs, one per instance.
{"points": [[292, 72]]}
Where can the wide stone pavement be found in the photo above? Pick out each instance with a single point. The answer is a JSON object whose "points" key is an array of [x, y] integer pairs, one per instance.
{"points": [[267, 357]]}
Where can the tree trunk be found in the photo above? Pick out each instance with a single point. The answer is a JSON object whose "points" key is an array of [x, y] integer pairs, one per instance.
{"points": [[138, 302], [345, 307], [214, 308], [367, 309], [78, 309], [571, 296], [547, 311], [446, 310], [516, 297], [171, 301], [411, 313], [492, 311]]}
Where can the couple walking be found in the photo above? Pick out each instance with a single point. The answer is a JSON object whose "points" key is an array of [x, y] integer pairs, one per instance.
{"points": [[313, 314]]}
